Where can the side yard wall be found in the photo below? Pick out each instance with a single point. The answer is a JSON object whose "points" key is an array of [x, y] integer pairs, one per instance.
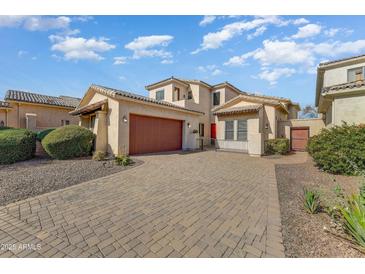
{"points": [[315, 126]]}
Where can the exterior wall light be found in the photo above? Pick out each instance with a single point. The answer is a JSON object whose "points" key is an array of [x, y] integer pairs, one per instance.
{"points": [[125, 120], [189, 126]]}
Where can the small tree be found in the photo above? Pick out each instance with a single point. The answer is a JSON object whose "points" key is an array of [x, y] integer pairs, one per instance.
{"points": [[308, 112]]}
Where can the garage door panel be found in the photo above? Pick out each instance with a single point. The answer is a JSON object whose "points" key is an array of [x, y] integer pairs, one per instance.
{"points": [[153, 134]]}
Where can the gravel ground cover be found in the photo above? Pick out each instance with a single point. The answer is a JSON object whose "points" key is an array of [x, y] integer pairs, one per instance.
{"points": [[303, 233], [37, 176]]}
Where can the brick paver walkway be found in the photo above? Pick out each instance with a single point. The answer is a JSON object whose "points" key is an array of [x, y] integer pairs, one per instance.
{"points": [[208, 204]]}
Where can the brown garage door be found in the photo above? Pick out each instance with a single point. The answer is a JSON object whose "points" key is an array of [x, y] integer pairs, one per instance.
{"points": [[152, 134], [299, 138]]}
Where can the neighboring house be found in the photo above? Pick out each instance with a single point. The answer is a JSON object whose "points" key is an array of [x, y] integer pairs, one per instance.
{"points": [[36, 111], [340, 91], [182, 115]]}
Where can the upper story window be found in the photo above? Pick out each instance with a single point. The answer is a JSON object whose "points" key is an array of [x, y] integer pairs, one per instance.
{"points": [[160, 95], [216, 98], [177, 94], [229, 130], [355, 74], [65, 122], [242, 130], [190, 95]]}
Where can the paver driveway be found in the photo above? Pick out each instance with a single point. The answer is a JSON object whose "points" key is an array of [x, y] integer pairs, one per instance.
{"points": [[207, 204]]}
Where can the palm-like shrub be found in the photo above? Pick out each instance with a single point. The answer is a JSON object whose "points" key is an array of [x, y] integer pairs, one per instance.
{"points": [[16, 144], [68, 142], [311, 201], [353, 218], [339, 149]]}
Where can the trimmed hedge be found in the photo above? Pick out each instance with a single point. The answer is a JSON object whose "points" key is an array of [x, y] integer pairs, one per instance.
{"points": [[16, 144], [44, 133], [68, 142], [277, 146], [339, 149]]}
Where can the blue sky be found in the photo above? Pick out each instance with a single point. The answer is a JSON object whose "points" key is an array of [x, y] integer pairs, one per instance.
{"points": [[272, 55]]}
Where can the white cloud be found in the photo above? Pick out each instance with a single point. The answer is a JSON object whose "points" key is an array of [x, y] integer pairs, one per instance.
{"points": [[122, 78], [214, 40], [21, 53], [334, 31], [300, 21], [78, 48], [239, 60], [207, 19], [42, 23], [11, 20], [307, 31], [304, 56], [150, 46], [210, 69], [167, 61], [120, 60], [36, 23], [83, 18], [259, 31], [273, 75]]}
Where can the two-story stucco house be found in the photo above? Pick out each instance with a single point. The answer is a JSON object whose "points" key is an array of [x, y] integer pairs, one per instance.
{"points": [[22, 109], [340, 91], [182, 115]]}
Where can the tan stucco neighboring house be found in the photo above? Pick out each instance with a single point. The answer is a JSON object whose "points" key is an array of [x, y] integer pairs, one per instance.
{"points": [[34, 111], [182, 114], [340, 91]]}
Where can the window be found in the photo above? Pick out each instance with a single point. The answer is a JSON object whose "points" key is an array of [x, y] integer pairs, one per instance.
{"points": [[242, 130], [216, 98], [65, 122], [177, 94], [355, 74], [160, 95], [201, 130], [190, 94], [229, 130], [92, 122], [2, 124]]}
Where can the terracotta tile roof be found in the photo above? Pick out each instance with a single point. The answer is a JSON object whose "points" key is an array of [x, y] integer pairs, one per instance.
{"points": [[350, 85], [4, 104], [140, 97], [341, 60], [23, 96], [237, 110]]}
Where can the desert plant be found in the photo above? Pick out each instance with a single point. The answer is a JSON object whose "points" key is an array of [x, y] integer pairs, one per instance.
{"points": [[99, 156], [339, 149], [16, 144], [68, 142], [43, 133], [311, 201], [123, 160], [362, 189], [338, 191], [352, 216], [277, 146]]}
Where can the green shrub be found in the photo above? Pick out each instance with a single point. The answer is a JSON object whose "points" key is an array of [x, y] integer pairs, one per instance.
{"points": [[340, 149], [16, 144], [123, 160], [311, 201], [353, 218], [68, 142], [43, 133], [99, 156], [277, 146]]}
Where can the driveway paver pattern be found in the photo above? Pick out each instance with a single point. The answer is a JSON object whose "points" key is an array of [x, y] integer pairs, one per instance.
{"points": [[206, 204]]}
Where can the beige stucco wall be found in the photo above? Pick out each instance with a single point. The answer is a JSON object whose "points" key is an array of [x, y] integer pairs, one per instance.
{"points": [[3, 116], [254, 143], [315, 126], [47, 116], [337, 76], [350, 109]]}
